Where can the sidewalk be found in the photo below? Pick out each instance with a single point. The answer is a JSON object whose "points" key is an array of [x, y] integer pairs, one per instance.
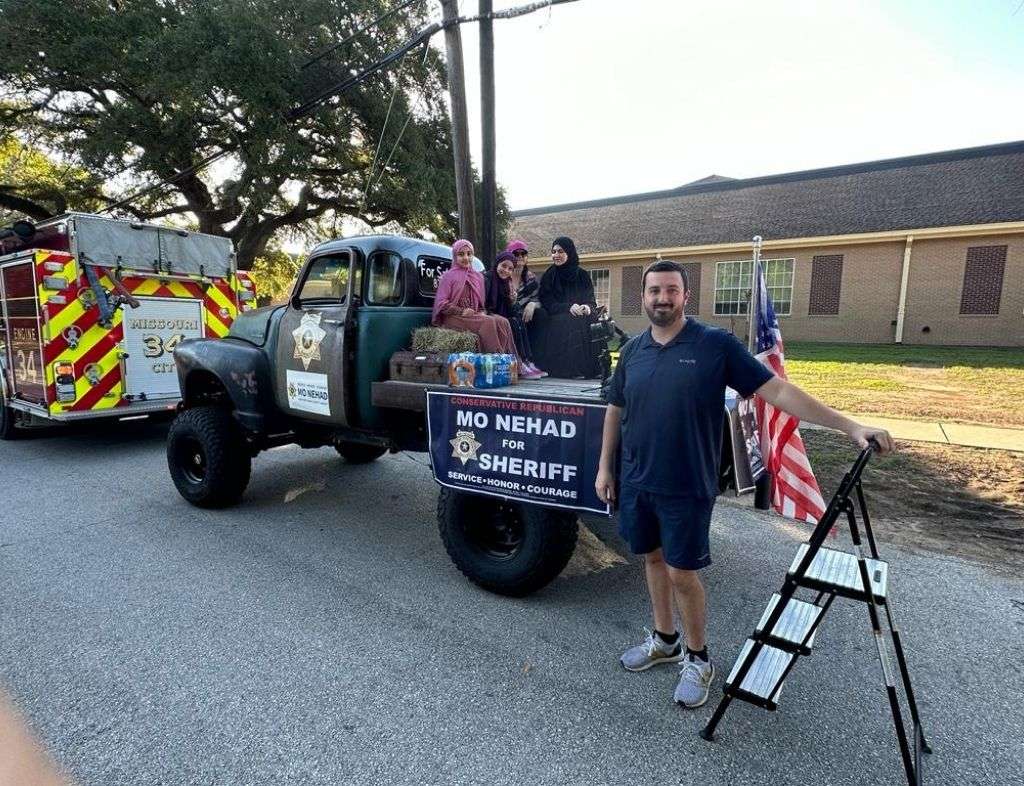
{"points": [[947, 433]]}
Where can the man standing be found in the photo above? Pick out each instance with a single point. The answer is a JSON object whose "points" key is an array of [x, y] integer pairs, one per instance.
{"points": [[666, 399]]}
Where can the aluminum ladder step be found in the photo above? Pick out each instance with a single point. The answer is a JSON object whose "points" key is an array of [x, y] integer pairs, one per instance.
{"points": [[837, 571], [763, 682], [791, 631]]}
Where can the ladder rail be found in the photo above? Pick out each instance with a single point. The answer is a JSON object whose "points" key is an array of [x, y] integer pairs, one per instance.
{"points": [[901, 660], [883, 658], [867, 519]]}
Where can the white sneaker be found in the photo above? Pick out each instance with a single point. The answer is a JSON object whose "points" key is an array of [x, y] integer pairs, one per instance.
{"points": [[694, 682], [652, 652]]}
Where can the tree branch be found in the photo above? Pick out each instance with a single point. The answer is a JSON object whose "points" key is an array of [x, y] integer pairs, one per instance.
{"points": [[22, 205]]}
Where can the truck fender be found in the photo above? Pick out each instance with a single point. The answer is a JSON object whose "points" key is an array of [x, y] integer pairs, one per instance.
{"points": [[230, 372]]}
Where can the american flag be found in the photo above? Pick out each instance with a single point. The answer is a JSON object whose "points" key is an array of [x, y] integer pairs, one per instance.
{"points": [[795, 491]]}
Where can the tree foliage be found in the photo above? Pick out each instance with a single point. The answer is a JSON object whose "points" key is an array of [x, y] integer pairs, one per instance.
{"points": [[140, 92], [274, 274], [34, 185]]}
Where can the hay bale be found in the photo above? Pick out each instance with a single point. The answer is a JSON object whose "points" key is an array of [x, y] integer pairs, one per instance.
{"points": [[437, 339]]}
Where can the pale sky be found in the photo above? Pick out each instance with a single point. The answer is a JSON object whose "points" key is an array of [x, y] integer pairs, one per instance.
{"points": [[601, 98]]}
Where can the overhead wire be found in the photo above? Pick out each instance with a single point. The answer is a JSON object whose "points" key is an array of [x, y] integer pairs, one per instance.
{"points": [[363, 29], [401, 133], [383, 131], [203, 163], [423, 36]]}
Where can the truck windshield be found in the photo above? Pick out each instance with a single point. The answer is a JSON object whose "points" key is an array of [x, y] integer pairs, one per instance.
{"points": [[326, 279]]}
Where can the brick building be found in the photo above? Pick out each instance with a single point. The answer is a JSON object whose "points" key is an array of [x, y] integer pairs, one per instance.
{"points": [[925, 249]]}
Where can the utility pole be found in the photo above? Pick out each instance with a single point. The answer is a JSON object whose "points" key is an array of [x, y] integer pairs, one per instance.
{"points": [[460, 124], [487, 248]]}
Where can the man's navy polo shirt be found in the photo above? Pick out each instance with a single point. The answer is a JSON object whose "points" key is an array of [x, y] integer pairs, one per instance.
{"points": [[673, 400]]}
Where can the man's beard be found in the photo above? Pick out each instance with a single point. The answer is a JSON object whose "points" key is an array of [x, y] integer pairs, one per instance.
{"points": [[663, 317]]}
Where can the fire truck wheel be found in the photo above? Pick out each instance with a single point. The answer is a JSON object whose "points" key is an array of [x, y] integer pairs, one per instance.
{"points": [[505, 547], [357, 453], [207, 457], [7, 421]]}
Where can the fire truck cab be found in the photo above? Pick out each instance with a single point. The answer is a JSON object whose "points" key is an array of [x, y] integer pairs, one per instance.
{"points": [[91, 309]]}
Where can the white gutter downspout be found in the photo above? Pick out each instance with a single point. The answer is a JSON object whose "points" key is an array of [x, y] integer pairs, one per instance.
{"points": [[901, 311]]}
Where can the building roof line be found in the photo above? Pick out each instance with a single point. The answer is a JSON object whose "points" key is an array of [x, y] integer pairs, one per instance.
{"points": [[703, 186], [813, 241]]}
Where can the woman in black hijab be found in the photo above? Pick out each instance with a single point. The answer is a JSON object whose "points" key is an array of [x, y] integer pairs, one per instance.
{"points": [[560, 328]]}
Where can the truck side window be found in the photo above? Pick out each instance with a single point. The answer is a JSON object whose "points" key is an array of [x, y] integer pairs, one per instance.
{"points": [[385, 285], [326, 280], [429, 270]]}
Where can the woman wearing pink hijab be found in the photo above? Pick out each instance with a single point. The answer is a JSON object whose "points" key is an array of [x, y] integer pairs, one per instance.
{"points": [[459, 304]]}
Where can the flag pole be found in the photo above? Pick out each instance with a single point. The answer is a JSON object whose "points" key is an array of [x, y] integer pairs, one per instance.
{"points": [[755, 297], [763, 486]]}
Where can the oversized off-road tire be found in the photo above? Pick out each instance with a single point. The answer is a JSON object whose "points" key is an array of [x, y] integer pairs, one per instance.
{"points": [[208, 459], [505, 547], [8, 418], [359, 453]]}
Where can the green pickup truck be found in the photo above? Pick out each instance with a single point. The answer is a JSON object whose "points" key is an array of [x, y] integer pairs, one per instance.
{"points": [[315, 372]]}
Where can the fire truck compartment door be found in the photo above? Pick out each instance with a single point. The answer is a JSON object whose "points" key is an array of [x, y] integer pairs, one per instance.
{"points": [[151, 332], [20, 305]]}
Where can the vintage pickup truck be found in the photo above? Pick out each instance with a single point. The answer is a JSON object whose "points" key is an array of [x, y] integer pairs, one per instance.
{"points": [[315, 372]]}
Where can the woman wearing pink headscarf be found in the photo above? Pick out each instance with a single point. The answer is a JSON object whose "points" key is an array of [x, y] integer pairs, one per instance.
{"points": [[459, 304]]}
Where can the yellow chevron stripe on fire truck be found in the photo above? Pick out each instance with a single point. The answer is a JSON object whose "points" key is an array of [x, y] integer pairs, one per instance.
{"points": [[108, 362], [222, 300], [178, 289], [69, 273], [86, 342], [147, 287]]}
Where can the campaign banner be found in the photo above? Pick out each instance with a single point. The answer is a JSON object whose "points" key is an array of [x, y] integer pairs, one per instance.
{"points": [[534, 450]]}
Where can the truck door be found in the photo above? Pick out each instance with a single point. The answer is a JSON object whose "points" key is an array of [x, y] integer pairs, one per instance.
{"points": [[311, 363], [20, 303]]}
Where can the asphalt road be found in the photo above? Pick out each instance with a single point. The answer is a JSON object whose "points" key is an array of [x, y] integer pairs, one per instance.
{"points": [[319, 634]]}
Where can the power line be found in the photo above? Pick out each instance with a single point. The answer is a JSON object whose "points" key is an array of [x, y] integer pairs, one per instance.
{"points": [[220, 154], [401, 133], [190, 170], [422, 37], [363, 29]]}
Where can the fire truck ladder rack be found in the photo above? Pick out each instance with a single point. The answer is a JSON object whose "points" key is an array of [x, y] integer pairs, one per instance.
{"points": [[788, 626]]}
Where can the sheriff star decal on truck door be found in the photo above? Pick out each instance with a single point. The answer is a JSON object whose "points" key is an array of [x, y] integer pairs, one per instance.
{"points": [[308, 336]]}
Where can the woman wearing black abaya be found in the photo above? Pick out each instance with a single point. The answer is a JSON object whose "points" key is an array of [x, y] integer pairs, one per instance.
{"points": [[560, 328]]}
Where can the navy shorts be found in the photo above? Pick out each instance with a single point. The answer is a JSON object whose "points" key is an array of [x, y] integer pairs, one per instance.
{"points": [[679, 526]]}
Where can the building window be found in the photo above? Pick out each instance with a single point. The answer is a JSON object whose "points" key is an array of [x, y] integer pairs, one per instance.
{"points": [[602, 287], [693, 280], [732, 285], [631, 276], [983, 280], [826, 283]]}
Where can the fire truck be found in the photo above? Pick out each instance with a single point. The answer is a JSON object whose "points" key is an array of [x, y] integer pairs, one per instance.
{"points": [[91, 309]]}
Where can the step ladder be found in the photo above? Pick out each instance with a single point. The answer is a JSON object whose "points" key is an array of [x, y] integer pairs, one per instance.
{"points": [[789, 624]]}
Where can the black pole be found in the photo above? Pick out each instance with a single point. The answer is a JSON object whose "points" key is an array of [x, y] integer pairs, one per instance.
{"points": [[487, 249]]}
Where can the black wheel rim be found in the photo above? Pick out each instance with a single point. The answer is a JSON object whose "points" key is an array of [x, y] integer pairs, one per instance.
{"points": [[191, 459], [495, 529]]}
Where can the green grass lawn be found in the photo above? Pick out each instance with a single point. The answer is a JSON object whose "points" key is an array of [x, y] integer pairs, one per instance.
{"points": [[958, 384]]}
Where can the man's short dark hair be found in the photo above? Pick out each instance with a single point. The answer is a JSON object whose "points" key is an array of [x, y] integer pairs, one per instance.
{"points": [[665, 266]]}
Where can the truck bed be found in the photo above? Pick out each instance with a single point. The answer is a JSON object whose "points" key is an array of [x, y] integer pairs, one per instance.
{"points": [[412, 395]]}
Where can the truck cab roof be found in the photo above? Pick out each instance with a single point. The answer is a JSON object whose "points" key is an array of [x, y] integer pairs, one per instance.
{"points": [[408, 247]]}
